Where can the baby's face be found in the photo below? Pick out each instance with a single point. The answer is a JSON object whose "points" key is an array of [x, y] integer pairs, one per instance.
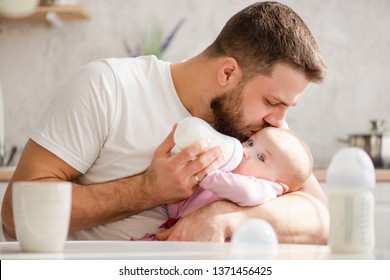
{"points": [[261, 157]]}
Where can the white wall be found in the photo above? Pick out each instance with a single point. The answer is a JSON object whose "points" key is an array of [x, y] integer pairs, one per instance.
{"points": [[353, 35]]}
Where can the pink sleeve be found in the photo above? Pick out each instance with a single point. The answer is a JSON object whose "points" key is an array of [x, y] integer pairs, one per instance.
{"points": [[243, 190]]}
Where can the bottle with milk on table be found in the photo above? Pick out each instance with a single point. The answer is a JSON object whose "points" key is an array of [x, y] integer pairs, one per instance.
{"points": [[350, 179]]}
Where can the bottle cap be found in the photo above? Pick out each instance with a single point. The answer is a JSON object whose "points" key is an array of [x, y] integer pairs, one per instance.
{"points": [[351, 167], [254, 236]]}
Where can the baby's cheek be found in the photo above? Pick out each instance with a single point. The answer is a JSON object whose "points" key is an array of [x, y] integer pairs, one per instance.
{"points": [[236, 170]]}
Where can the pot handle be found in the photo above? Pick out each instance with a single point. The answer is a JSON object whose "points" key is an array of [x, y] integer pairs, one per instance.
{"points": [[377, 125]]}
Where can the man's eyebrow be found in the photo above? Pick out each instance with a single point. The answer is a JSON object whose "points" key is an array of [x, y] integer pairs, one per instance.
{"points": [[278, 100]]}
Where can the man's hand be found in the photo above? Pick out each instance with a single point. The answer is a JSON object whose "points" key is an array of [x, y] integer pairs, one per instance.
{"points": [[213, 222], [171, 178]]}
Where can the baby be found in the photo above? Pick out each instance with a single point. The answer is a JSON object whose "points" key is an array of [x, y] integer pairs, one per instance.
{"points": [[275, 161]]}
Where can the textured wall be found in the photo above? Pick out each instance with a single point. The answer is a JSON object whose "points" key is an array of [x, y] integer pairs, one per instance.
{"points": [[353, 36]]}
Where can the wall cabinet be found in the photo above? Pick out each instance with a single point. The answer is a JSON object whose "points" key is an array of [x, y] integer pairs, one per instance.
{"points": [[64, 12], [382, 215]]}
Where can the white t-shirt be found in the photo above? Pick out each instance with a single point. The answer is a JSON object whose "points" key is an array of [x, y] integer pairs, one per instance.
{"points": [[106, 122]]}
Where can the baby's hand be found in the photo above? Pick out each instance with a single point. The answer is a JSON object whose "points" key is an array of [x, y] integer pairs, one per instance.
{"points": [[284, 186]]}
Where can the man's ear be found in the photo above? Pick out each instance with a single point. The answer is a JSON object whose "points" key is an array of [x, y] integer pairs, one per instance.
{"points": [[229, 73]]}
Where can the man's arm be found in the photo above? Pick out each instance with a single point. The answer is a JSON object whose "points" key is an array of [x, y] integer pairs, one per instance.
{"points": [[91, 205], [297, 217], [162, 183]]}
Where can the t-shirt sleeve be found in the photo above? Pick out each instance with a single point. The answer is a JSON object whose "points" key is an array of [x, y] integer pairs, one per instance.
{"points": [[78, 119]]}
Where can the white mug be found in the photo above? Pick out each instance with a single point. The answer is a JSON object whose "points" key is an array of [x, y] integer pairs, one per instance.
{"points": [[18, 8], [42, 215]]}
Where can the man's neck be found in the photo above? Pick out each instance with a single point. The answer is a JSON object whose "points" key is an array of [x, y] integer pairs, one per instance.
{"points": [[195, 86]]}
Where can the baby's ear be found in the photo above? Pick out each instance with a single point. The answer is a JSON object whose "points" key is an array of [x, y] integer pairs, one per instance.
{"points": [[284, 186]]}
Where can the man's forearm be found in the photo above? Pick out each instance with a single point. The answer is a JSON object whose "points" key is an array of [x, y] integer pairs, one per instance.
{"points": [[107, 202], [95, 204], [297, 217]]}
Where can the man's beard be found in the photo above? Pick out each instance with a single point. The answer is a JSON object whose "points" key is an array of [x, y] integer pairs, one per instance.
{"points": [[229, 114]]}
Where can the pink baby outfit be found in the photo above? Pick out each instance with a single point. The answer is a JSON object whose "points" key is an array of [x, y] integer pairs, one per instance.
{"points": [[219, 185]]}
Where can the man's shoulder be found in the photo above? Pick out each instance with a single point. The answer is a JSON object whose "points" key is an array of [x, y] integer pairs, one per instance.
{"points": [[133, 62]]}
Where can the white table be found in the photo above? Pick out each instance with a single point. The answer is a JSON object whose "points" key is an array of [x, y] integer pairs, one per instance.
{"points": [[150, 250]]}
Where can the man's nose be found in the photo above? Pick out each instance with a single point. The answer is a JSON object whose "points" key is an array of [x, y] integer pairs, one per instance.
{"points": [[277, 117]]}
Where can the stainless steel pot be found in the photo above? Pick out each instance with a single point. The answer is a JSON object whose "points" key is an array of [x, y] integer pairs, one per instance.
{"points": [[376, 143]]}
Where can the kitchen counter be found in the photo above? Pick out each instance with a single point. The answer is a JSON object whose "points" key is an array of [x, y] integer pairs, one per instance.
{"points": [[382, 175], [146, 250]]}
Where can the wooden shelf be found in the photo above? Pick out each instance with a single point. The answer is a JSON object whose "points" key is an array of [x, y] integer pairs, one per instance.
{"points": [[65, 12]]}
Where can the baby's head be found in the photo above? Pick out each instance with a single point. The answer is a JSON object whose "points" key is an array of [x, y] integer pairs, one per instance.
{"points": [[277, 154]]}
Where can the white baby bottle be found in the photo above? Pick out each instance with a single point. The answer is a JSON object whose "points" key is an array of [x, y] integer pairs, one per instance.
{"points": [[350, 179], [192, 129]]}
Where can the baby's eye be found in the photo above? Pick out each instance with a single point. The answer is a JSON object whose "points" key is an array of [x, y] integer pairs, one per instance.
{"points": [[261, 157], [250, 143]]}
